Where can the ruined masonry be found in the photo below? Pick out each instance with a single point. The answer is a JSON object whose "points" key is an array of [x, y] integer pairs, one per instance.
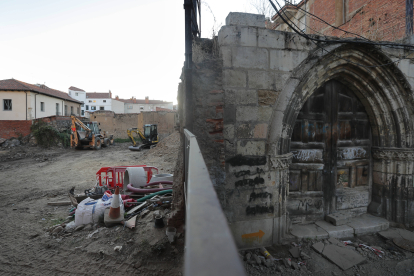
{"points": [[292, 133]]}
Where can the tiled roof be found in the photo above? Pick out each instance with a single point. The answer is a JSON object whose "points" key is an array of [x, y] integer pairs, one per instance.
{"points": [[96, 95], [73, 88], [136, 101], [15, 85]]}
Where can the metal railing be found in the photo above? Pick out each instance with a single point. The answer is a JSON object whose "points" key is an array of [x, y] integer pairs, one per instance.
{"points": [[209, 244]]}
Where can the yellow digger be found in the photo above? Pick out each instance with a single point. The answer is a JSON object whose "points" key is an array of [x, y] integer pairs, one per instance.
{"points": [[149, 138], [87, 135]]}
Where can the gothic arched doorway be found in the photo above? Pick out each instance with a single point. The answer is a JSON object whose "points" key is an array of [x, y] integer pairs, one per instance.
{"points": [[331, 146]]}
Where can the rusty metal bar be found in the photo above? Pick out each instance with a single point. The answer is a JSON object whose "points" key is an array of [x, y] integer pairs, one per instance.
{"points": [[210, 247]]}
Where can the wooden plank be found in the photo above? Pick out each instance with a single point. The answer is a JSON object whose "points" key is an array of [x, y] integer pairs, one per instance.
{"points": [[60, 203]]}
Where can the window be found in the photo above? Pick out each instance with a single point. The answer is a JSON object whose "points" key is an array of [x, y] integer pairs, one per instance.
{"points": [[90, 101], [101, 108], [130, 106], [76, 94], [141, 108], [83, 112], [57, 109], [42, 106], [77, 109], [70, 93], [93, 107], [104, 101], [87, 107], [71, 110], [7, 104], [66, 110], [82, 104]]}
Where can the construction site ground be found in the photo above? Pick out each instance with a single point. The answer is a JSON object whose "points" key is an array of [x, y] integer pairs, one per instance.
{"points": [[31, 176]]}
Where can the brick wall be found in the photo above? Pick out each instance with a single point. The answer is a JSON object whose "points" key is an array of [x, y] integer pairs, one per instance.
{"points": [[12, 128], [376, 20]]}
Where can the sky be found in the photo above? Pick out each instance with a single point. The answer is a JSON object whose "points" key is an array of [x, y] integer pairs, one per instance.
{"points": [[131, 47]]}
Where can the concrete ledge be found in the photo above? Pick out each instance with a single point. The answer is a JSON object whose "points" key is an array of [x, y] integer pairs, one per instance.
{"points": [[246, 19], [308, 231], [337, 232], [368, 224]]}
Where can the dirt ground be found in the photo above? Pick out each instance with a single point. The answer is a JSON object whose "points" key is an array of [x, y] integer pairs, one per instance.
{"points": [[394, 261], [31, 177]]}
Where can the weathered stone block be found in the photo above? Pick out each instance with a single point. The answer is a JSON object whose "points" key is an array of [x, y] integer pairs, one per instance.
{"points": [[255, 148], [297, 42], [241, 97], [283, 60], [260, 131], [225, 54], [264, 113], [261, 80], [232, 78], [228, 132], [237, 36], [246, 113], [250, 57], [229, 114], [267, 97], [244, 131], [245, 19], [271, 39]]}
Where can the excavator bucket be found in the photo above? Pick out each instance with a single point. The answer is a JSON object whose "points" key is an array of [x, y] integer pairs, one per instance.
{"points": [[136, 148]]}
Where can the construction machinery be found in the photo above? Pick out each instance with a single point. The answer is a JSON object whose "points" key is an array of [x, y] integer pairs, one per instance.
{"points": [[88, 135], [149, 138]]}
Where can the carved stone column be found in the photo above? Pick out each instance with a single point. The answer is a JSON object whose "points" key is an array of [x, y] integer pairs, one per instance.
{"points": [[279, 165], [392, 185]]}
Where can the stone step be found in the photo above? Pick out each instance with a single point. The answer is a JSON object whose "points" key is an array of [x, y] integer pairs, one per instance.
{"points": [[339, 218], [361, 225]]}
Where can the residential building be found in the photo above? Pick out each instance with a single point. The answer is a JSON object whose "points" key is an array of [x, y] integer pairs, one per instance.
{"points": [[135, 105], [24, 101], [376, 20], [92, 101]]}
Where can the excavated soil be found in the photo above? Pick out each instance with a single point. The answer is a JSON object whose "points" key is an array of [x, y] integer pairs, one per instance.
{"points": [[31, 177]]}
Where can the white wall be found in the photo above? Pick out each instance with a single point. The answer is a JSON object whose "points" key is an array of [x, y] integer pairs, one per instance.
{"points": [[117, 106], [80, 96], [18, 111], [138, 108]]}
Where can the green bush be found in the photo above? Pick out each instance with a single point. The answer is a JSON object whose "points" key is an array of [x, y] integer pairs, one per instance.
{"points": [[47, 136]]}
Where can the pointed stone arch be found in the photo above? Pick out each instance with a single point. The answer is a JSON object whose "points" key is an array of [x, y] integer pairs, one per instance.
{"points": [[388, 99]]}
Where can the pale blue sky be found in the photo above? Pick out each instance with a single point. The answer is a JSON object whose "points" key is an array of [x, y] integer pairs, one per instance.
{"points": [[131, 47]]}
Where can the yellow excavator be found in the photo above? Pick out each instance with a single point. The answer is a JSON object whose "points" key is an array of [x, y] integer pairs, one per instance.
{"points": [[88, 135], [149, 138]]}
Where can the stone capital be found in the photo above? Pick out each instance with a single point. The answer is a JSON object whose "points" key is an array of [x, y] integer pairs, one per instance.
{"points": [[281, 161], [398, 154]]}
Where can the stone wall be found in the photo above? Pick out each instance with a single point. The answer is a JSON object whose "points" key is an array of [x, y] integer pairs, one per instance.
{"points": [[165, 120], [246, 103], [115, 124]]}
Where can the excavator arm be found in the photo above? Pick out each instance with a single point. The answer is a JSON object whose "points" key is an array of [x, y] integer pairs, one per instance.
{"points": [[130, 131], [74, 139]]}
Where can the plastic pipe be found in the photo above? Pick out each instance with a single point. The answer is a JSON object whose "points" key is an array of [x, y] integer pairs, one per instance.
{"points": [[142, 199], [145, 191]]}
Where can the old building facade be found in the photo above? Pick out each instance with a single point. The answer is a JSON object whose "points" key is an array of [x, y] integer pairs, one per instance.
{"points": [[292, 132], [380, 20]]}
